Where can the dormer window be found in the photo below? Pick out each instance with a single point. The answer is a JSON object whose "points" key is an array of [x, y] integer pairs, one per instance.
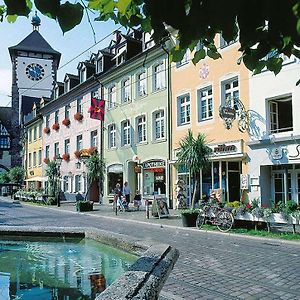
{"points": [[99, 66], [82, 74], [120, 57], [56, 92], [67, 85]]}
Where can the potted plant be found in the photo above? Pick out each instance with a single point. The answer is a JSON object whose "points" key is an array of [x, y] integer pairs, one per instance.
{"points": [[47, 130], [55, 126], [66, 156], [78, 116], [84, 205], [77, 153], [66, 122], [194, 155]]}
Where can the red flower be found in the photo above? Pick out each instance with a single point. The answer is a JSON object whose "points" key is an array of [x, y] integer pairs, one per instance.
{"points": [[66, 122], [78, 116], [46, 159], [55, 126], [47, 130], [66, 157], [264, 206], [248, 205], [77, 153]]}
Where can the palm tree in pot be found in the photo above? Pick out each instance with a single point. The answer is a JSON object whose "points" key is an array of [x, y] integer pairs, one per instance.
{"points": [[193, 154]]}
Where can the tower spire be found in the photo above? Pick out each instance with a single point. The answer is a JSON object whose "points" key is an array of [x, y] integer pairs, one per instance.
{"points": [[36, 22]]}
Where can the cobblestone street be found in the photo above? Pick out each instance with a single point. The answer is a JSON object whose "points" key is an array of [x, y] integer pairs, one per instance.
{"points": [[211, 265]]}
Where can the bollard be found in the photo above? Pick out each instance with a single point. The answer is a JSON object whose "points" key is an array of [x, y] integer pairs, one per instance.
{"points": [[147, 208]]}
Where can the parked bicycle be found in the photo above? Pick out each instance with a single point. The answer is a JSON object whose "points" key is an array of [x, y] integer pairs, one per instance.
{"points": [[215, 215]]}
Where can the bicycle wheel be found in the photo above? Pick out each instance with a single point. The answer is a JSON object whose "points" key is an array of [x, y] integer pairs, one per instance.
{"points": [[200, 219], [224, 220]]}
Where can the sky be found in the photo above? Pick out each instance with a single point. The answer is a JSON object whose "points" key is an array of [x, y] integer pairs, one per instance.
{"points": [[70, 45]]}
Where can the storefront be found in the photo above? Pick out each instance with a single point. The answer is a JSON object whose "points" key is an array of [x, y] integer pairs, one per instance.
{"points": [[154, 177], [114, 176]]}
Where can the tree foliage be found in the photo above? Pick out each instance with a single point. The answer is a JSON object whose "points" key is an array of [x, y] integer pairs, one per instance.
{"points": [[16, 175], [53, 173], [194, 154], [265, 29], [4, 177]]}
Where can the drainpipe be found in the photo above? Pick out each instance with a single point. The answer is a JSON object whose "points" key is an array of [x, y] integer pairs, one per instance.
{"points": [[169, 118]]}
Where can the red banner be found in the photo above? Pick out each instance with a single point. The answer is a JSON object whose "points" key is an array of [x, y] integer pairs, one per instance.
{"points": [[97, 109]]}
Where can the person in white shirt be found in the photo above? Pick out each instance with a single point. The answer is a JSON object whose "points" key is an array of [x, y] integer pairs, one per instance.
{"points": [[126, 192]]}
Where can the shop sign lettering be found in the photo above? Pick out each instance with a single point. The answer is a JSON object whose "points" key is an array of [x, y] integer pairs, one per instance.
{"points": [[224, 149], [153, 164], [296, 153]]}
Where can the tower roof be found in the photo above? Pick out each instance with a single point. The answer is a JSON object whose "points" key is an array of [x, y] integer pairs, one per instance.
{"points": [[34, 42]]}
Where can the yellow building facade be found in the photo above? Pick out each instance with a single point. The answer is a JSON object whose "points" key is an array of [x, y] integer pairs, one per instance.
{"points": [[198, 93]]}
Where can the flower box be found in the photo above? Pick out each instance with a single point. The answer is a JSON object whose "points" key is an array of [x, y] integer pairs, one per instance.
{"points": [[55, 126], [46, 160], [78, 116], [77, 153], [66, 156], [47, 130], [92, 150], [274, 218], [66, 122]]}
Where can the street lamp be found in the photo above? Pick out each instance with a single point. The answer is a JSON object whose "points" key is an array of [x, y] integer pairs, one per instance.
{"points": [[58, 161]]}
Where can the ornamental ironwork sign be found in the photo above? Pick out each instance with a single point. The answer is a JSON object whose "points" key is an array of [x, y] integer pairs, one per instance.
{"points": [[234, 109]]}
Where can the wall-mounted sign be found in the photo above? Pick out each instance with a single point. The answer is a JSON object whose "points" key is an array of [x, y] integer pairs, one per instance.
{"points": [[230, 148], [153, 164], [115, 168], [137, 169], [276, 153], [224, 149], [227, 112], [31, 172], [294, 152], [244, 180]]}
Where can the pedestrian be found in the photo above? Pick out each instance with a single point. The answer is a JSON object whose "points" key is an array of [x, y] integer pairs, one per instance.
{"points": [[137, 200], [118, 195], [126, 192]]}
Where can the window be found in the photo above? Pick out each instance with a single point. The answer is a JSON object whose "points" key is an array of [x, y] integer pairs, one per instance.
{"points": [[40, 157], [67, 146], [34, 159], [281, 114], [77, 183], [159, 78], [47, 151], [67, 111], [100, 65], [66, 183], [67, 85], [29, 135], [125, 90], [79, 142], [34, 133], [4, 138], [56, 149], [112, 136], [224, 44], [141, 129], [230, 92], [184, 110], [126, 133], [142, 84], [47, 120], [83, 74], [56, 92], [94, 138], [79, 106], [159, 125], [185, 60], [112, 96], [56, 117], [40, 130], [30, 160], [205, 104]]}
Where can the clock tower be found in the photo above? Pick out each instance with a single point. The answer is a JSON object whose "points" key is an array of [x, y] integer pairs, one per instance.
{"points": [[34, 69]]}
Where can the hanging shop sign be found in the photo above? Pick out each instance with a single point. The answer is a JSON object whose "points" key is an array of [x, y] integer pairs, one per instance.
{"points": [[276, 153], [137, 169], [244, 180], [154, 164], [115, 169]]}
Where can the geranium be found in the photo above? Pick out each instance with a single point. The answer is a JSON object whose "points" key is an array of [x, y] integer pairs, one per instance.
{"points": [[77, 153], [248, 206], [46, 160], [47, 130], [55, 126], [78, 116], [66, 156], [66, 122], [92, 150]]}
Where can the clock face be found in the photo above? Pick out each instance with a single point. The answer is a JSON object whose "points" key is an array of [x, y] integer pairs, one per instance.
{"points": [[35, 72]]}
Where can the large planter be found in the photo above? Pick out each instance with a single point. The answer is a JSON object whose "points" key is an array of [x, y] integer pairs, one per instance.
{"points": [[84, 206], [189, 219]]}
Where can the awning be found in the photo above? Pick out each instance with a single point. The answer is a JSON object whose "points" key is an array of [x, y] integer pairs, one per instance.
{"points": [[36, 178]]}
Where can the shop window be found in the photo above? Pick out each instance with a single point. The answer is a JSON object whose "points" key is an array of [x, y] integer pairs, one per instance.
{"points": [[112, 136], [126, 133], [141, 129], [159, 125], [281, 115], [114, 176], [183, 110], [205, 104]]}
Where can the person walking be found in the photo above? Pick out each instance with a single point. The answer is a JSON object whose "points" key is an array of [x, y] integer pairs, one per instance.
{"points": [[118, 195], [126, 192]]}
